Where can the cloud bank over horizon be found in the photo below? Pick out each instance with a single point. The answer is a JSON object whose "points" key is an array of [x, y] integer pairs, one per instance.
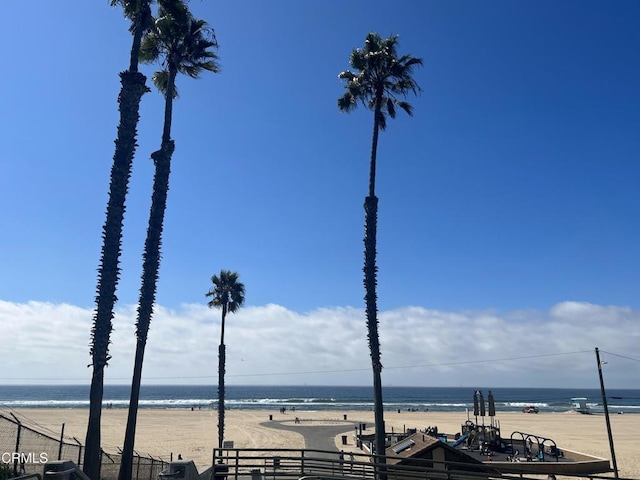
{"points": [[47, 343]]}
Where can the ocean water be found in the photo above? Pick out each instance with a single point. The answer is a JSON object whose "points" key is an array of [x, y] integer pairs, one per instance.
{"points": [[316, 397]]}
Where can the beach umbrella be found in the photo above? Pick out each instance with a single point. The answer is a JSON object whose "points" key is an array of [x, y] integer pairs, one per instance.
{"points": [[492, 405], [475, 404], [481, 400]]}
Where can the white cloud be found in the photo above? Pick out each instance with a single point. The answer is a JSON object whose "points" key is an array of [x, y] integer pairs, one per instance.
{"points": [[45, 342]]}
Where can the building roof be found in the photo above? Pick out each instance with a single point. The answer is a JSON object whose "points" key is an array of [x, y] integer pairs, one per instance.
{"points": [[418, 445]]}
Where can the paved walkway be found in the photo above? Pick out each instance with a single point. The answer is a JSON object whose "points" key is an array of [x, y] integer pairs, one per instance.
{"points": [[316, 437]]}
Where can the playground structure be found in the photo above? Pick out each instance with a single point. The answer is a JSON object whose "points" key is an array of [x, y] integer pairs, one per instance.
{"points": [[484, 439], [534, 446], [521, 452], [477, 436]]}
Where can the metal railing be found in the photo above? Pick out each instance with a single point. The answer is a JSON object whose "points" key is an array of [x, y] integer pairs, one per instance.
{"points": [[28, 476], [284, 464], [276, 464]]}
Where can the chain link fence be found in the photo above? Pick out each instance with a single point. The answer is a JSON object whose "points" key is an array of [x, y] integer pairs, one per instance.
{"points": [[26, 448]]}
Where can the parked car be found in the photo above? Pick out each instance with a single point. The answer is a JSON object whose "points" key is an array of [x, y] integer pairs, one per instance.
{"points": [[530, 409]]}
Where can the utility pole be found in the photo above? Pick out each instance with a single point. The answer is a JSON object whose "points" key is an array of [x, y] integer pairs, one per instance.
{"points": [[606, 415]]}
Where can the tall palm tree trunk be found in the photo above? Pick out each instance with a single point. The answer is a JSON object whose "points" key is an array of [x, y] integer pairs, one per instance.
{"points": [[374, 148], [370, 282], [92, 450], [150, 268], [133, 87], [221, 371], [140, 28], [126, 463]]}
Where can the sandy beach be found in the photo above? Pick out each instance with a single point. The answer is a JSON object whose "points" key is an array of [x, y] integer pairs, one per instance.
{"points": [[193, 433]]}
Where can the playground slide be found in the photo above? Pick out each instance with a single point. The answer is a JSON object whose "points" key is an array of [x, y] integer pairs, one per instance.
{"points": [[460, 440]]}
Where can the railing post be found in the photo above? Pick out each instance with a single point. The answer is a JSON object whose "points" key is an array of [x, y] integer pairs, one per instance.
{"points": [[15, 462], [237, 462], [151, 469], [79, 450], [61, 440]]}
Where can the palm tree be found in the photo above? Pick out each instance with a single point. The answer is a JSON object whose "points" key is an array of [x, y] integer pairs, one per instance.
{"points": [[183, 44], [381, 78], [228, 294], [133, 87]]}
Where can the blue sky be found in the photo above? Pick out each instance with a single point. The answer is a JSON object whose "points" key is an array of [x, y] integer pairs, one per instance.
{"points": [[512, 192]]}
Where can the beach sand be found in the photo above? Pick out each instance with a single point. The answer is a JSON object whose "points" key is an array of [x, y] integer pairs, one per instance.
{"points": [[193, 433]]}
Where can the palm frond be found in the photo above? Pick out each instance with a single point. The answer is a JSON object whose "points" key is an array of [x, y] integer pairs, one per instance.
{"points": [[161, 80], [150, 49], [382, 121], [358, 59], [210, 66], [346, 102], [347, 75], [391, 109], [410, 62], [406, 107]]}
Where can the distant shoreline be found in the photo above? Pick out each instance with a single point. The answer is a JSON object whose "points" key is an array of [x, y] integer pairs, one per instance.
{"points": [[273, 398]]}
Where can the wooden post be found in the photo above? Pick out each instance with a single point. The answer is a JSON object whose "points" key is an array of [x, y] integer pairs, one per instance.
{"points": [[606, 415], [79, 450], [61, 441]]}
